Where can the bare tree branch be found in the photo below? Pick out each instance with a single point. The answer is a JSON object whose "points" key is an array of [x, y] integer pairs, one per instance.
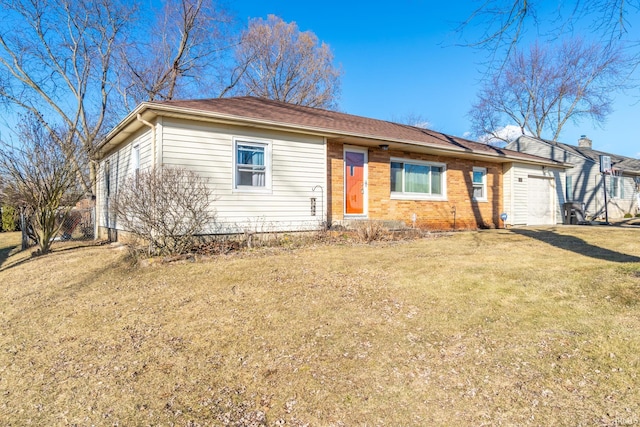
{"points": [[165, 207], [188, 38], [503, 23], [56, 62], [276, 60], [542, 89], [39, 175]]}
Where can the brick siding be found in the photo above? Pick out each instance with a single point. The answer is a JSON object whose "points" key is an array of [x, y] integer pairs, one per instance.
{"points": [[432, 215]]}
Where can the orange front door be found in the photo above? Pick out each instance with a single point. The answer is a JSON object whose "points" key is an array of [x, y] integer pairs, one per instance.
{"points": [[355, 187]]}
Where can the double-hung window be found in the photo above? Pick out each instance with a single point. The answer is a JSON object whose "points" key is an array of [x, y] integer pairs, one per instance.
{"points": [[617, 187], [413, 179], [252, 165], [479, 184]]}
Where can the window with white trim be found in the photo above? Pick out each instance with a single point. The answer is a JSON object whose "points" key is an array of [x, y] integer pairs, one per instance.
{"points": [[135, 157], [417, 179], [569, 188], [135, 162], [479, 182], [616, 189], [107, 178], [251, 165]]}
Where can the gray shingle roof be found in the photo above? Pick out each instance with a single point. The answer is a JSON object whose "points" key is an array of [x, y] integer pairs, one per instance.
{"points": [[628, 164]]}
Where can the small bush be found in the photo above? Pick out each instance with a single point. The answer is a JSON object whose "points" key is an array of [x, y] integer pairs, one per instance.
{"points": [[628, 215], [9, 218], [166, 208], [369, 231]]}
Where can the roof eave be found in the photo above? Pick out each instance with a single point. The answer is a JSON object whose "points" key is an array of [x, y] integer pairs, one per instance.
{"points": [[150, 110]]}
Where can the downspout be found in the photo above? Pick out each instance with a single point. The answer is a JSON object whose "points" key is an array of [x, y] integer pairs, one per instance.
{"points": [[153, 154], [153, 138]]}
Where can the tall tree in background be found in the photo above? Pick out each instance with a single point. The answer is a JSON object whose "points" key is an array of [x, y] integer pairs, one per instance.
{"points": [[541, 89], [412, 119], [55, 63], [65, 60], [276, 60], [179, 57]]}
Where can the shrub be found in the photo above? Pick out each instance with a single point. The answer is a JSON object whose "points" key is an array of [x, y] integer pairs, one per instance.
{"points": [[166, 208], [628, 215], [9, 218], [369, 231]]}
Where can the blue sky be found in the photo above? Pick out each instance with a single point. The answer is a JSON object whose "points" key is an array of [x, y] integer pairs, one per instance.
{"points": [[401, 58]]}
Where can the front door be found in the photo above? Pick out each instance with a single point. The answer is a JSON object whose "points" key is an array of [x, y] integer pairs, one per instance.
{"points": [[355, 182]]}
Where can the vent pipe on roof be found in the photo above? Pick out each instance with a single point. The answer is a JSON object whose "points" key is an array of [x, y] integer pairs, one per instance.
{"points": [[584, 142]]}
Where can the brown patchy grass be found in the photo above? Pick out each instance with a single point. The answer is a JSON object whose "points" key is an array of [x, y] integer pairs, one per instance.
{"points": [[499, 327]]}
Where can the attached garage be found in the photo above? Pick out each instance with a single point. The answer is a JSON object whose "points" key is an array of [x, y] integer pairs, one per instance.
{"points": [[540, 204], [533, 194]]}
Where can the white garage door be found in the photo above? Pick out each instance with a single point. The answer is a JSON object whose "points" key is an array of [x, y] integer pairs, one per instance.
{"points": [[540, 205]]}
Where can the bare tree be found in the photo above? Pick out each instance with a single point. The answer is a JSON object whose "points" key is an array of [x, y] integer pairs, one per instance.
{"points": [[165, 207], [40, 176], [541, 89], [504, 23], [412, 119], [62, 60], [178, 55], [56, 64], [276, 60]]}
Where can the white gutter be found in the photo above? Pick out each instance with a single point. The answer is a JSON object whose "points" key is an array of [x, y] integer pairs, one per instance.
{"points": [[153, 138]]}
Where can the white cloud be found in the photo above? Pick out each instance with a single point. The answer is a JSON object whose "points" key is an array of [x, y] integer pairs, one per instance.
{"points": [[508, 133]]}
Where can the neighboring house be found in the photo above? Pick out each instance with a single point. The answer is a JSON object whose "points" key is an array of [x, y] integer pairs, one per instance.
{"points": [[585, 184], [280, 167]]}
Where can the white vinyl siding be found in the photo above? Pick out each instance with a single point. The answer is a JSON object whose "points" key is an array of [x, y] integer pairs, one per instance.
{"points": [[586, 180], [516, 192], [297, 174], [121, 165]]}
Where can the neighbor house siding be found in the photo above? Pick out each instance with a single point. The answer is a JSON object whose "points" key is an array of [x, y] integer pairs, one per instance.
{"points": [[587, 184], [298, 164], [457, 210], [119, 164], [628, 203], [587, 181]]}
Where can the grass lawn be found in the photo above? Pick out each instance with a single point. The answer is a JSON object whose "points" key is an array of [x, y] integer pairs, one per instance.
{"points": [[498, 327]]}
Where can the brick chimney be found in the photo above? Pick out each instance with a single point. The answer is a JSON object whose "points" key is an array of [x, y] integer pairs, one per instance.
{"points": [[584, 142]]}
